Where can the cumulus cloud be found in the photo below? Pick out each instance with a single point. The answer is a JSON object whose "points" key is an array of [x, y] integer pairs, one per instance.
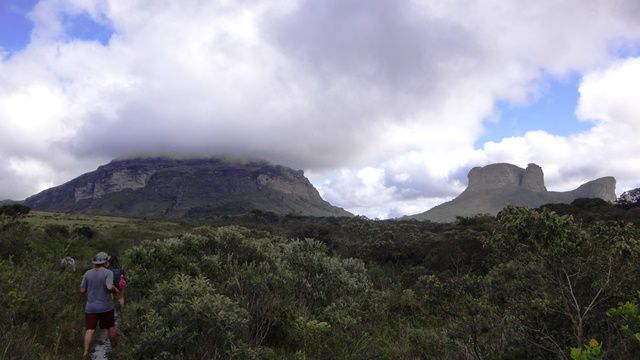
{"points": [[610, 98], [381, 102]]}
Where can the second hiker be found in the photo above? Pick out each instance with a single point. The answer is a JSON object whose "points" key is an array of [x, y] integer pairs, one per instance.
{"points": [[119, 280]]}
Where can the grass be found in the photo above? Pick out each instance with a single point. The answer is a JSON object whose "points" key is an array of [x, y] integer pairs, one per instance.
{"points": [[39, 219]]}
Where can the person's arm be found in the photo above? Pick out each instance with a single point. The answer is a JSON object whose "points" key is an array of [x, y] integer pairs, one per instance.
{"points": [[109, 282], [83, 284]]}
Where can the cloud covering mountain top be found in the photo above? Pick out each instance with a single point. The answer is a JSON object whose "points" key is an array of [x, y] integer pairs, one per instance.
{"points": [[380, 102]]}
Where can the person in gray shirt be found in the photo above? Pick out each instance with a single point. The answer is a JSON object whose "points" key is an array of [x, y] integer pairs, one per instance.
{"points": [[97, 283]]}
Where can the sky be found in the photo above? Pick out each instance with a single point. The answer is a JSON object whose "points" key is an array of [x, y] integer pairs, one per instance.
{"points": [[386, 105]]}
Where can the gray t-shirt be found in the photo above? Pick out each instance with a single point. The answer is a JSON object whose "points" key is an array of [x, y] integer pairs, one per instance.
{"points": [[98, 297]]}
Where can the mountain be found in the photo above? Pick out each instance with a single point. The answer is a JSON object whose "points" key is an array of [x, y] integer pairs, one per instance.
{"points": [[495, 186], [165, 187], [630, 197]]}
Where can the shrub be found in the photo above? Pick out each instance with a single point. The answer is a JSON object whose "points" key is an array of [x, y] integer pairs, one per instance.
{"points": [[186, 318]]}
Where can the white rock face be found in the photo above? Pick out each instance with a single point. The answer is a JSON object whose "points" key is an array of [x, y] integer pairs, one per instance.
{"points": [[118, 180], [283, 184], [630, 197]]}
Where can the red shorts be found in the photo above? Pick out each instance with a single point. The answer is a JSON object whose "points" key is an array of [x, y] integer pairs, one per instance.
{"points": [[107, 320]]}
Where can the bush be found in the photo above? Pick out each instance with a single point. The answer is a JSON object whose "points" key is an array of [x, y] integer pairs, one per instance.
{"points": [[276, 281], [185, 318]]}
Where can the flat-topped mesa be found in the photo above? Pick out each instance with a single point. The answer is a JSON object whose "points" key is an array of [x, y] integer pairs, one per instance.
{"points": [[500, 176], [495, 186], [190, 187]]}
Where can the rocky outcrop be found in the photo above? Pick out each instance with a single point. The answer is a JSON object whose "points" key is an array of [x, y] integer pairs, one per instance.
{"points": [[603, 188], [630, 197], [533, 178], [166, 187], [495, 186], [118, 180], [499, 176]]}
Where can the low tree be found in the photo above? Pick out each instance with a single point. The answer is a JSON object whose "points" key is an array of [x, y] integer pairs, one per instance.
{"points": [[11, 213], [473, 325], [550, 268]]}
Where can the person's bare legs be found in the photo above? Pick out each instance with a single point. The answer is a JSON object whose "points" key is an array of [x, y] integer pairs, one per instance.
{"points": [[121, 299], [113, 337], [88, 336]]}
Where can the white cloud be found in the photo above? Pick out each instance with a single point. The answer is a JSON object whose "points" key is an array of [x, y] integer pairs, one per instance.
{"points": [[612, 95], [369, 191], [611, 99], [391, 95]]}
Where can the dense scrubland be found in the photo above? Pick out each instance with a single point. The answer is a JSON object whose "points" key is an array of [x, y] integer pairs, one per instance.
{"points": [[559, 282]]}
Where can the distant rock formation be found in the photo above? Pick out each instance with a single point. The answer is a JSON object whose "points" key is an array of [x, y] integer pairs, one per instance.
{"points": [[495, 186], [630, 197], [163, 187]]}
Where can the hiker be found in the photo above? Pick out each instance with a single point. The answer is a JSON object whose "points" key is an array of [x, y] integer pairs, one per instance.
{"points": [[97, 283], [119, 280]]}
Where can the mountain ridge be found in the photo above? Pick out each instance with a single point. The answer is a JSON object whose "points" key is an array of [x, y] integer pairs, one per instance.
{"points": [[198, 187]]}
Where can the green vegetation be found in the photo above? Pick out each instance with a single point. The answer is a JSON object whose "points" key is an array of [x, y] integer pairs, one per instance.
{"points": [[525, 284]]}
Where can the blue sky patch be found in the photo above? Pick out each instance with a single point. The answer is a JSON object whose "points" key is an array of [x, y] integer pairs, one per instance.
{"points": [[83, 27], [15, 26], [624, 48], [552, 110]]}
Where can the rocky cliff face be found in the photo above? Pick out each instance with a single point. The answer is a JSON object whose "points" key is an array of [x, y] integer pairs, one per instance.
{"points": [[630, 197], [500, 176], [186, 188], [495, 186]]}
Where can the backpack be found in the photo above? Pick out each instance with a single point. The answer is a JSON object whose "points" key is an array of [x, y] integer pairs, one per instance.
{"points": [[118, 278], [123, 282]]}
